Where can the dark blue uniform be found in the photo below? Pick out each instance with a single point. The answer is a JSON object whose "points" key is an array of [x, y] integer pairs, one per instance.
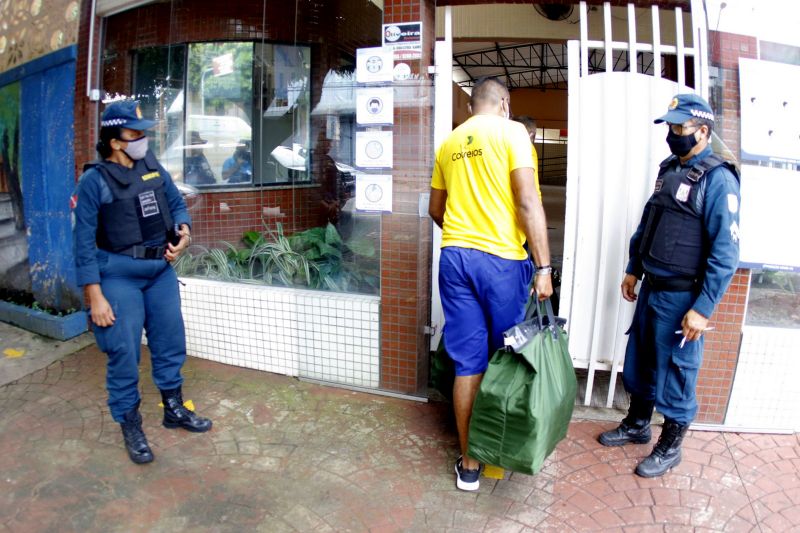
{"points": [[657, 368], [143, 292]]}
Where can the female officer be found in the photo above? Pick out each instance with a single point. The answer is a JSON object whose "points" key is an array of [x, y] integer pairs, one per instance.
{"points": [[130, 221]]}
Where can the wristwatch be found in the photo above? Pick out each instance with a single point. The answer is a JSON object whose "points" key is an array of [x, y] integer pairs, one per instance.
{"points": [[544, 269]]}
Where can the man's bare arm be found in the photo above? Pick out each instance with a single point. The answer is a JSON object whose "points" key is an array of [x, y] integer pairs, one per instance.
{"points": [[531, 217], [436, 206]]}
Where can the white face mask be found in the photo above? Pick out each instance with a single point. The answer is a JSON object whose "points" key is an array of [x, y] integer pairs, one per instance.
{"points": [[137, 148]]}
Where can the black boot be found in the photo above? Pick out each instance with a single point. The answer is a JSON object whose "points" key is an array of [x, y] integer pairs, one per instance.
{"points": [[135, 441], [666, 453], [634, 428], [176, 415]]}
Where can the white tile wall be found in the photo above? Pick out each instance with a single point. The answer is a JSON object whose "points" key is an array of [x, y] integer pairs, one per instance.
{"points": [[766, 388], [319, 335]]}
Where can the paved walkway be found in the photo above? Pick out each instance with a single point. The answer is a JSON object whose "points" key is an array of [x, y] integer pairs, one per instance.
{"points": [[289, 456]]}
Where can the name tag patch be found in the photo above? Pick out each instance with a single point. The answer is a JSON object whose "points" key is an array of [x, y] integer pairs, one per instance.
{"points": [[149, 204], [150, 176], [683, 192]]}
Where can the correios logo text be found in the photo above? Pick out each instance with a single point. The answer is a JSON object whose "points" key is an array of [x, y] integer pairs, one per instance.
{"points": [[392, 33]]}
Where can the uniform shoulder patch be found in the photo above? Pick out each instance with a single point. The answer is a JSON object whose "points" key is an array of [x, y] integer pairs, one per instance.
{"points": [[733, 203]]}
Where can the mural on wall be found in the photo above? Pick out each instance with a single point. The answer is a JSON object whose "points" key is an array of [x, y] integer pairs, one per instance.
{"points": [[14, 272], [33, 28]]}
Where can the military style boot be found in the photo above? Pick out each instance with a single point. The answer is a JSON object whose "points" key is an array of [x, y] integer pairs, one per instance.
{"points": [[666, 453], [634, 428], [135, 441], [176, 415]]}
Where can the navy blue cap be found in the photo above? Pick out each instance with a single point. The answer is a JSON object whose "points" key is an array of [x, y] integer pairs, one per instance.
{"points": [[125, 114], [686, 106]]}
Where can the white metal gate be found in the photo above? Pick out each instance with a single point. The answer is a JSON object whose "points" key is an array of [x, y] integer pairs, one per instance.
{"points": [[613, 154]]}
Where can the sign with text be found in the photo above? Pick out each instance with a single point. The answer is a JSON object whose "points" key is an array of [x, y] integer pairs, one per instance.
{"points": [[404, 38]]}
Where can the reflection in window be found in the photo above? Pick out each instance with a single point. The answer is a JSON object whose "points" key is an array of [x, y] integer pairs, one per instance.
{"points": [[245, 118], [282, 73], [774, 299], [219, 110]]}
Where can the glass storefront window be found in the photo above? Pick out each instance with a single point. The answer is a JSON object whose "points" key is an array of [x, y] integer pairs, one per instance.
{"points": [[774, 299], [272, 159]]}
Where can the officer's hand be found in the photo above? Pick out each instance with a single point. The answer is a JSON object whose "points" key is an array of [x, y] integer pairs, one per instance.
{"points": [[543, 285], [693, 325], [174, 250], [101, 312], [629, 287]]}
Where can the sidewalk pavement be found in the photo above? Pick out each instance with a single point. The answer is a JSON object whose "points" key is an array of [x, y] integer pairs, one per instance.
{"points": [[286, 455]]}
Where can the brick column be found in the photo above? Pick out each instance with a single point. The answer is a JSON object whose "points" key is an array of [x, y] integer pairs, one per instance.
{"points": [[722, 347], [405, 237]]}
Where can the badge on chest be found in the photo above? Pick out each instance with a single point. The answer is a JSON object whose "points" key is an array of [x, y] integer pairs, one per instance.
{"points": [[149, 204]]}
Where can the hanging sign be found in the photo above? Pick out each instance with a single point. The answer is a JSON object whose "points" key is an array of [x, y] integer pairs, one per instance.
{"points": [[374, 149], [404, 38], [374, 192], [374, 65], [374, 105]]}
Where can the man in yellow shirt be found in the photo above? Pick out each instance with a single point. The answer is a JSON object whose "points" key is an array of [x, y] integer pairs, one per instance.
{"points": [[484, 199], [530, 126]]}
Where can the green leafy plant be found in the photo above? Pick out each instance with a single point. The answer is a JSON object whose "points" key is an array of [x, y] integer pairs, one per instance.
{"points": [[316, 258]]}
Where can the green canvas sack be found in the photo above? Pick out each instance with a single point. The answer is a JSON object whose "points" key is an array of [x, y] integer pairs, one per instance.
{"points": [[525, 401]]}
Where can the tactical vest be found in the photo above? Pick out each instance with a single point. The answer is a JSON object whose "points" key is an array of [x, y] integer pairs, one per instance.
{"points": [[674, 237], [139, 212]]}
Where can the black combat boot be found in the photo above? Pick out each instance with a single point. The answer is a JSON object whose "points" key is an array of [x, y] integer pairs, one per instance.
{"points": [[634, 428], [135, 441], [176, 415], [666, 453]]}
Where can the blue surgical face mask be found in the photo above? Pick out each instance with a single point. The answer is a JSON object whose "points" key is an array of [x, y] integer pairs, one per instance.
{"points": [[137, 148], [681, 145]]}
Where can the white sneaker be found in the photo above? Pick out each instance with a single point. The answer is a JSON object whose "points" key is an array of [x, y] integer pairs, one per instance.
{"points": [[467, 479]]}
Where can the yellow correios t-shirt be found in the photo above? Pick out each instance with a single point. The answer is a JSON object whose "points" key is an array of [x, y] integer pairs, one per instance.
{"points": [[474, 166]]}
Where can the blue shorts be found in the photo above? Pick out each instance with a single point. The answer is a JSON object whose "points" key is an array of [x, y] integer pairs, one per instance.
{"points": [[482, 296]]}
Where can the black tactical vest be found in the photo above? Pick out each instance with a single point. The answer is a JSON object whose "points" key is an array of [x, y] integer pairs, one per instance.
{"points": [[139, 212], [674, 237]]}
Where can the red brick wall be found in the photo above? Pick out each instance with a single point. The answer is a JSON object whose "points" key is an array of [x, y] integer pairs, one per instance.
{"points": [[405, 237], [722, 346]]}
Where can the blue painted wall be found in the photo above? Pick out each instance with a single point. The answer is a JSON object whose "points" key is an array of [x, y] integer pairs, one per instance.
{"points": [[47, 174]]}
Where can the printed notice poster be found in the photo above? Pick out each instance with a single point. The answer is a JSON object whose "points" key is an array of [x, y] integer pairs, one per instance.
{"points": [[374, 149], [374, 65], [405, 39], [374, 192], [374, 105]]}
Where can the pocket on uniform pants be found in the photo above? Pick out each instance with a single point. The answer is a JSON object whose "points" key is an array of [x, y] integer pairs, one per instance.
{"points": [[684, 365]]}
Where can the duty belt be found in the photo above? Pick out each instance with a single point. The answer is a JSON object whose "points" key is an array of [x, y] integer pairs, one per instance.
{"points": [[144, 252], [674, 284]]}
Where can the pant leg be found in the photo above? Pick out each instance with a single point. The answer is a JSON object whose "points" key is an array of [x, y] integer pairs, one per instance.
{"points": [[677, 367], [502, 288], [639, 369], [122, 341], [166, 336], [465, 330]]}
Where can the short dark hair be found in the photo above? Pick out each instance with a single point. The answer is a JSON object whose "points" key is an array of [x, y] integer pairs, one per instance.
{"points": [[698, 121], [107, 133], [528, 122], [487, 91]]}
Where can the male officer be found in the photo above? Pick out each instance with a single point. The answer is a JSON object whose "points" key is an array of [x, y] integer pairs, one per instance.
{"points": [[126, 217], [687, 249], [530, 127], [483, 197]]}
